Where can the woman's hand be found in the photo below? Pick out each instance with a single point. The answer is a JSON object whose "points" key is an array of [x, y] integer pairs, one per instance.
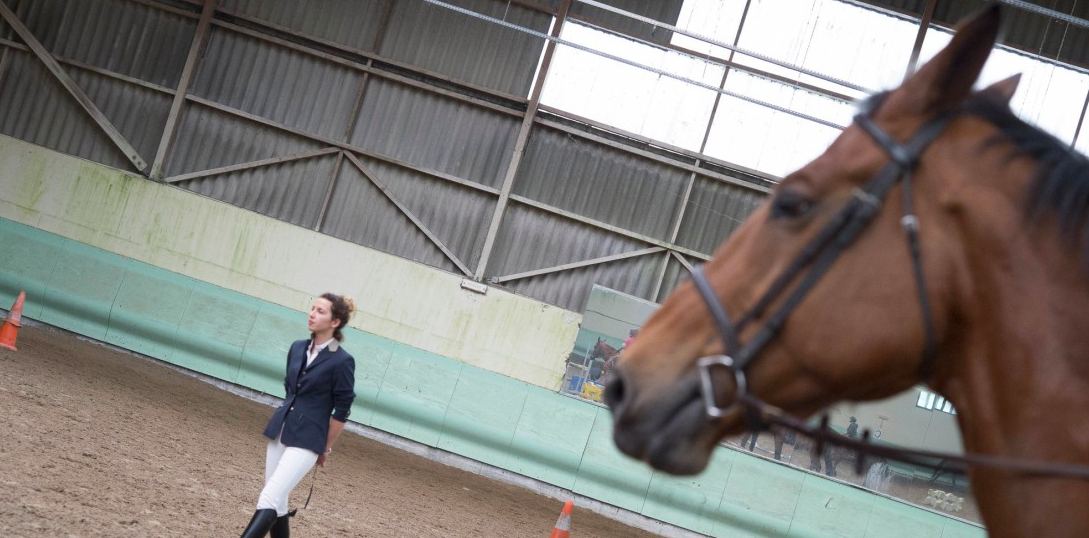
{"points": [[335, 427]]}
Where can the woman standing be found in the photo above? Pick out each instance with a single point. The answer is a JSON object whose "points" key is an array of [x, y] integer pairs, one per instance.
{"points": [[320, 387]]}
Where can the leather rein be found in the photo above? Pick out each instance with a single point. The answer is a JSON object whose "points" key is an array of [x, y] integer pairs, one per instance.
{"points": [[812, 262]]}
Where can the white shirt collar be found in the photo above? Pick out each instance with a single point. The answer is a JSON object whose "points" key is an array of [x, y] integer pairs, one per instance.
{"points": [[311, 355]]}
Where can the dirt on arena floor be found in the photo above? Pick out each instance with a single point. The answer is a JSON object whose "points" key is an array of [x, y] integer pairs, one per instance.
{"points": [[98, 442]]}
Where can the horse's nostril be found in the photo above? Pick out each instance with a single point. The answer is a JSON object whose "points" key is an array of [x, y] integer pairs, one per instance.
{"points": [[614, 393]]}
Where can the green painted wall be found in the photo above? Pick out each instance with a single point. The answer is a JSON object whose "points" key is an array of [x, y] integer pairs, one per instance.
{"points": [[463, 406]]}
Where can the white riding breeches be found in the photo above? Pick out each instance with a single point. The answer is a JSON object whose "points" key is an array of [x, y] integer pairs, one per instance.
{"points": [[285, 467]]}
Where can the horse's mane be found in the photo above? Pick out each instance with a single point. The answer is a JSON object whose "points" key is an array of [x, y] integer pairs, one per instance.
{"points": [[1060, 187]]}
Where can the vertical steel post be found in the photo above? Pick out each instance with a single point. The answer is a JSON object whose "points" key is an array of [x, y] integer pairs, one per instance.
{"points": [[520, 144], [924, 23]]}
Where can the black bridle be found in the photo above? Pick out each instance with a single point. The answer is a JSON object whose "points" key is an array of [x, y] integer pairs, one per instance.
{"points": [[809, 266]]}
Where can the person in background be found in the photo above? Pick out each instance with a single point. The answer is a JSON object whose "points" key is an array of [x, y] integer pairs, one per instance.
{"points": [[777, 436], [852, 429], [750, 439], [631, 336], [320, 388], [610, 362]]}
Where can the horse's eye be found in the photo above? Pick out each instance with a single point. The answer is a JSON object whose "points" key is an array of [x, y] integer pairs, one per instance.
{"points": [[790, 204]]}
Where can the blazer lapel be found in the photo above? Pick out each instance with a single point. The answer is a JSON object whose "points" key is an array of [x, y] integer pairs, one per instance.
{"points": [[324, 354]]}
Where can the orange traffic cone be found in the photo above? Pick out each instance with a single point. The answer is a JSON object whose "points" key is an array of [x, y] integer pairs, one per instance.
{"points": [[10, 330], [563, 524]]}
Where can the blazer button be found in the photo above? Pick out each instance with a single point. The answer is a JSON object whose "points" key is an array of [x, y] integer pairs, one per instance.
{"points": [[292, 408], [298, 385]]}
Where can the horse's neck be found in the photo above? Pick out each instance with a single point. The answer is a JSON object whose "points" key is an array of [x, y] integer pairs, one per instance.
{"points": [[1018, 374], [1023, 340]]}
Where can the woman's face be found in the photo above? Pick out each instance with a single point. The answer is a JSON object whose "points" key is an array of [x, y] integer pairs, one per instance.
{"points": [[321, 316]]}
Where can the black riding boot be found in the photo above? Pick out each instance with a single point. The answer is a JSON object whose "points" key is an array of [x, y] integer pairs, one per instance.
{"points": [[260, 524], [281, 529]]}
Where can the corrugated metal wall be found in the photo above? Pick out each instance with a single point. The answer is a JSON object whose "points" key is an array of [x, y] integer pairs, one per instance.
{"points": [[352, 23], [117, 35], [288, 87], [467, 49], [360, 213], [436, 132], [393, 124], [532, 239], [600, 182], [458, 216]]}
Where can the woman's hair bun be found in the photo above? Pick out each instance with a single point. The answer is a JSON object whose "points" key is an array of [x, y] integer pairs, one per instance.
{"points": [[350, 303]]}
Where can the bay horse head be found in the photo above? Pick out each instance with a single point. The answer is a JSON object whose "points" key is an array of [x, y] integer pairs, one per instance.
{"points": [[939, 239], [602, 350]]}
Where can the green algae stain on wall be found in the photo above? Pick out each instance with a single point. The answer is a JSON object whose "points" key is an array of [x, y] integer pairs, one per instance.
{"points": [[98, 198], [165, 222], [33, 172], [21, 178], [249, 248]]}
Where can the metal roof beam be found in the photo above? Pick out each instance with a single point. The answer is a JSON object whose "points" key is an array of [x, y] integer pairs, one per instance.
{"points": [[3, 64], [916, 49], [608, 227], [250, 165], [1081, 121], [576, 265], [683, 261]]}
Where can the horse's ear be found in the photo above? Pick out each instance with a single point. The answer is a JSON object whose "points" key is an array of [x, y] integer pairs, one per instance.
{"points": [[942, 83], [1004, 89]]}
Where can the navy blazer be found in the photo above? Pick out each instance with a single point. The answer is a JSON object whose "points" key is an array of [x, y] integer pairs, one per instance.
{"points": [[322, 390]]}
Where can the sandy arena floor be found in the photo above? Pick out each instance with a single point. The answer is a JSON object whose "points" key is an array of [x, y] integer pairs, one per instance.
{"points": [[98, 442]]}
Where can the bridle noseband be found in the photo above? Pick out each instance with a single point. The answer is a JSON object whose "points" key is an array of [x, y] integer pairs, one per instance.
{"points": [[817, 256]]}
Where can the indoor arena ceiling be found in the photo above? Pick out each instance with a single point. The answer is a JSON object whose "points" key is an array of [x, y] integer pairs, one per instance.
{"points": [[1066, 41], [1053, 29]]}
